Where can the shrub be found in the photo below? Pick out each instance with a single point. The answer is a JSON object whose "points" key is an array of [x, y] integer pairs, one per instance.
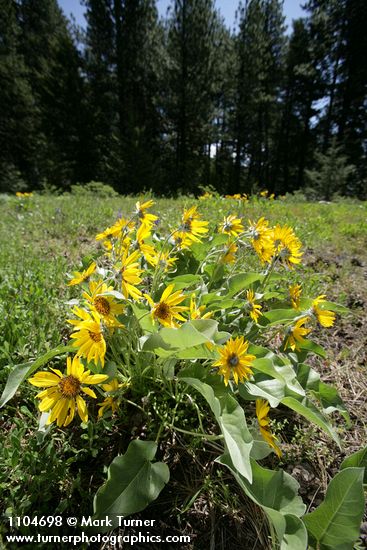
{"points": [[96, 188]]}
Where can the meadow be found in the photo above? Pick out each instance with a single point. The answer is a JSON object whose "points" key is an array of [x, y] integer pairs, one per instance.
{"points": [[58, 470]]}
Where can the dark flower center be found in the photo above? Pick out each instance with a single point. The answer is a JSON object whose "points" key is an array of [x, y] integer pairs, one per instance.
{"points": [[186, 226], [95, 336], [162, 311], [233, 360], [102, 305], [69, 386]]}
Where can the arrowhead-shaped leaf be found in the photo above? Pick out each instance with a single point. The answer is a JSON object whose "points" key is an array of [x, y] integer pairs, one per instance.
{"points": [[335, 524], [276, 493], [133, 482], [228, 413]]}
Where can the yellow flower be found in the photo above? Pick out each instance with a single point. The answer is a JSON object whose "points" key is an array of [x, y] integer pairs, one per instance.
{"points": [[287, 245], [237, 196], [104, 305], [191, 228], [325, 317], [262, 410], [167, 309], [261, 239], [144, 216], [107, 245], [130, 274], [121, 226], [264, 193], [231, 226], [295, 292], [196, 312], [296, 333], [81, 276], [89, 337], [63, 393], [147, 250], [229, 254], [206, 195], [234, 360], [111, 401], [255, 312], [165, 261], [23, 195], [182, 240]]}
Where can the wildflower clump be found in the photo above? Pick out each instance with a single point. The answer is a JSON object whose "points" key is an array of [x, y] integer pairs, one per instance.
{"points": [[136, 289], [173, 308]]}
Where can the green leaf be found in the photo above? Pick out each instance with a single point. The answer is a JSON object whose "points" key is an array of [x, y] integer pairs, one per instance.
{"points": [[276, 493], [270, 389], [133, 483], [260, 449], [311, 413], [238, 439], [196, 352], [331, 401], [328, 396], [23, 371], [259, 351], [358, 460], [173, 341], [307, 377], [190, 334], [335, 524], [306, 303], [228, 413], [276, 316], [308, 346], [333, 306], [144, 318], [272, 382], [224, 303], [295, 534], [185, 281], [241, 281]]}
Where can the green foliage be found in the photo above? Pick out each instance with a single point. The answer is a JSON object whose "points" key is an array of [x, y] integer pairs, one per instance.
{"points": [[170, 384], [335, 523], [331, 174], [133, 482], [276, 493], [96, 188], [192, 39], [182, 103], [357, 460]]}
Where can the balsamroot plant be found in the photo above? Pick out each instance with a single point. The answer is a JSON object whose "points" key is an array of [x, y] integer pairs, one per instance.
{"points": [[170, 311]]}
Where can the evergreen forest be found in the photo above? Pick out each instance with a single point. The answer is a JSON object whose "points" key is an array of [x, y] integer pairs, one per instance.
{"points": [[181, 103]]}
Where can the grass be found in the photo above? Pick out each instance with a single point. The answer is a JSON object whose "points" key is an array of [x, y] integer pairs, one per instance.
{"points": [[44, 237]]}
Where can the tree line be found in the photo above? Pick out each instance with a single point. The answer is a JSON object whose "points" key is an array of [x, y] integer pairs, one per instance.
{"points": [[177, 103]]}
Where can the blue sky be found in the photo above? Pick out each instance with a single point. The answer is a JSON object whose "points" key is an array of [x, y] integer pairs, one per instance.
{"points": [[292, 9]]}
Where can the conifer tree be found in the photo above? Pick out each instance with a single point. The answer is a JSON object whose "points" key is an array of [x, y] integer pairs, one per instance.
{"points": [[17, 108], [303, 89], [260, 46], [103, 134], [189, 96], [138, 60], [331, 173], [338, 32], [53, 69]]}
